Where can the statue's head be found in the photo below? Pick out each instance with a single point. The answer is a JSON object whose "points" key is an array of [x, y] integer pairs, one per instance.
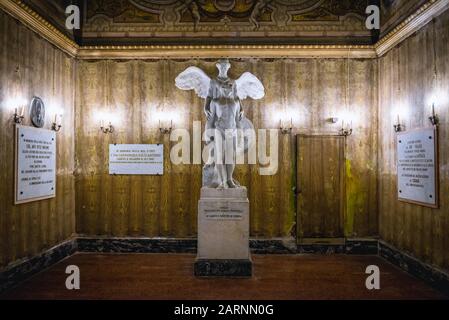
{"points": [[223, 66]]}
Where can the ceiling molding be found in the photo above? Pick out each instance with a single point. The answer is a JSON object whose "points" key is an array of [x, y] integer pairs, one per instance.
{"points": [[38, 24], [35, 22], [411, 25], [227, 51]]}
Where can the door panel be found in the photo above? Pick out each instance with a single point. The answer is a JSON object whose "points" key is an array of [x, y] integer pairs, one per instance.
{"points": [[320, 181]]}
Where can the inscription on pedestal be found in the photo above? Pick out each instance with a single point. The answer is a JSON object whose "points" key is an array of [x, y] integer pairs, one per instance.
{"points": [[224, 212]]}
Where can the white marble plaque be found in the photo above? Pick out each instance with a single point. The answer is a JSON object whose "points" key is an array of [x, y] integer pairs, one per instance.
{"points": [[417, 163], [35, 177], [136, 159]]}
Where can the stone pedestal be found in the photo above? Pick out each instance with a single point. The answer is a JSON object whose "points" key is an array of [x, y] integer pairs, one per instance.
{"points": [[223, 234]]}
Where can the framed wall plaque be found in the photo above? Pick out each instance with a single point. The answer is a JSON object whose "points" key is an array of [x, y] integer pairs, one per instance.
{"points": [[35, 164], [136, 159], [417, 167]]}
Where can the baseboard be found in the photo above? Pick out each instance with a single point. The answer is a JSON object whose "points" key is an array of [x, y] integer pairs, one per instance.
{"points": [[273, 246], [433, 276], [174, 245], [362, 246], [339, 246], [189, 245], [136, 245], [25, 268]]}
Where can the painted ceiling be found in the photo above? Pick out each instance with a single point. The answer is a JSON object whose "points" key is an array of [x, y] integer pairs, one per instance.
{"points": [[225, 21], [247, 21]]}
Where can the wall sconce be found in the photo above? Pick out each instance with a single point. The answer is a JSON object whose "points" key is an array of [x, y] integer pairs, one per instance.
{"points": [[56, 111], [165, 129], [106, 129], [18, 104], [398, 127], [333, 120], [345, 131], [106, 118], [434, 118], [286, 128], [18, 118], [56, 125]]}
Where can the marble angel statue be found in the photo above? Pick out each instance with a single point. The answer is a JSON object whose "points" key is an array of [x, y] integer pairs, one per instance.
{"points": [[225, 117]]}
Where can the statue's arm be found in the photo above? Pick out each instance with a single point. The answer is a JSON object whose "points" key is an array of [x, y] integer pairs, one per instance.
{"points": [[241, 112], [207, 110], [210, 115]]}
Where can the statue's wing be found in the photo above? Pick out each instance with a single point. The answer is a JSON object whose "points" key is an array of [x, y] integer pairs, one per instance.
{"points": [[194, 78], [249, 86]]}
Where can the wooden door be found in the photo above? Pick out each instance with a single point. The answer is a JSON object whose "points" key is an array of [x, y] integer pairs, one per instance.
{"points": [[320, 186]]}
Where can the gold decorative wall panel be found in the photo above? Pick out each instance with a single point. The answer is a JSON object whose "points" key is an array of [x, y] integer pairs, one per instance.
{"points": [[31, 66], [311, 90], [414, 75]]}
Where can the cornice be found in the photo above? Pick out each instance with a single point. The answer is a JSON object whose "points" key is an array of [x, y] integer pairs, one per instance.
{"points": [[412, 24], [35, 22], [226, 51], [38, 24]]}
